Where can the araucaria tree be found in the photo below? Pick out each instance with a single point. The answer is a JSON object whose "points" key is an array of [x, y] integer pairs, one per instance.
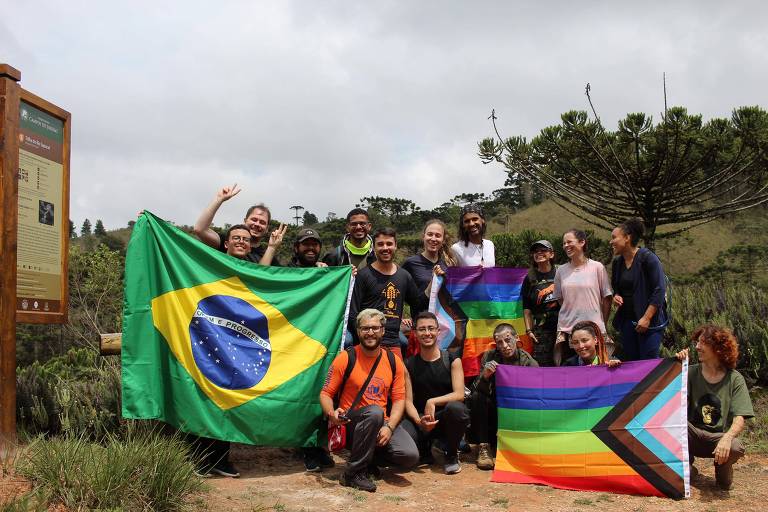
{"points": [[680, 172]]}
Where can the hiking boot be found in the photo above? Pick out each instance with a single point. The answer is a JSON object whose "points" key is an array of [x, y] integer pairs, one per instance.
{"points": [[484, 459], [724, 476], [452, 465], [225, 468], [357, 481], [373, 471], [315, 459]]}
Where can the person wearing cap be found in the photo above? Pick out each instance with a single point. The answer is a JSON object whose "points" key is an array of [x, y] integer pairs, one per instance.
{"points": [[540, 307], [306, 254], [472, 249], [306, 250]]}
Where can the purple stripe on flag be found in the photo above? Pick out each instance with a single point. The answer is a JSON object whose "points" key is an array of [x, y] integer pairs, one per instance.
{"points": [[494, 275], [573, 377]]}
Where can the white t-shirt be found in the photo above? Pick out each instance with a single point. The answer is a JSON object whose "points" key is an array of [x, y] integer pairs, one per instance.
{"points": [[473, 255], [581, 290]]}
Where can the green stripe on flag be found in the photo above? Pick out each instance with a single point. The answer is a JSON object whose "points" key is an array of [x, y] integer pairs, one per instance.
{"points": [[482, 309], [525, 420]]}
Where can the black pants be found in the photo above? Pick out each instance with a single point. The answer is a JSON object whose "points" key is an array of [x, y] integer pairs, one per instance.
{"points": [[453, 420], [362, 431], [208, 451], [544, 348], [485, 418]]}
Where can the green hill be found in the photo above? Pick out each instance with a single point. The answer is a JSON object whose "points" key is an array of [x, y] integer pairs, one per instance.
{"points": [[684, 254]]}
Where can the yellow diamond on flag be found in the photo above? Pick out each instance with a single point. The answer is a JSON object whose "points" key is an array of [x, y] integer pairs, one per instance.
{"points": [[235, 345]]}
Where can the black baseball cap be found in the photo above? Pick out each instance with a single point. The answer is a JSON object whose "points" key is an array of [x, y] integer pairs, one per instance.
{"points": [[543, 243], [306, 234]]}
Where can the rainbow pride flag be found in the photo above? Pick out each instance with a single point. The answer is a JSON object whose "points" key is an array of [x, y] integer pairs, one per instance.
{"points": [[621, 430], [470, 302]]}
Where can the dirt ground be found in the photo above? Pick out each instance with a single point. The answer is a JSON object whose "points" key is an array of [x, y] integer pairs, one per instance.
{"points": [[274, 480]]}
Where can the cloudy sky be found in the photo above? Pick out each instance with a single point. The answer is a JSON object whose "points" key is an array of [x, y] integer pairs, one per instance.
{"points": [[321, 103]]}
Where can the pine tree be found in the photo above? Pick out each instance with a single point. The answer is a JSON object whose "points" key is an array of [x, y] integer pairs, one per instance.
{"points": [[85, 230], [99, 229]]}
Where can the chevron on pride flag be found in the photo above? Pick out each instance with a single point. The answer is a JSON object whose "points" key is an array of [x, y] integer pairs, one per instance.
{"points": [[222, 347], [594, 428], [470, 302]]}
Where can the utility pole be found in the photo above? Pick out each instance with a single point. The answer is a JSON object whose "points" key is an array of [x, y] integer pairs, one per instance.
{"points": [[297, 216]]}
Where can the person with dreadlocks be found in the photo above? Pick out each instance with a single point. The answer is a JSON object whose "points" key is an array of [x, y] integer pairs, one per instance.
{"points": [[472, 249], [589, 344]]}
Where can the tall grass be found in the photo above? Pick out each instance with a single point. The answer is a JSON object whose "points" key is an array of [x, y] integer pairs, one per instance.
{"points": [[742, 307], [143, 470]]}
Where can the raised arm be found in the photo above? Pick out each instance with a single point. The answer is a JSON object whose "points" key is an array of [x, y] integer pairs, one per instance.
{"points": [[202, 227]]}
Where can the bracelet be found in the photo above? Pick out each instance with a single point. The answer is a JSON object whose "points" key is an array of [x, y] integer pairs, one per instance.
{"points": [[389, 427]]}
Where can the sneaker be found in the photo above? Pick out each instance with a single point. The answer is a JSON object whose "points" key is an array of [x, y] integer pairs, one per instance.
{"points": [[225, 468], [724, 476], [311, 464], [203, 473], [452, 465], [357, 481], [484, 459], [325, 459]]}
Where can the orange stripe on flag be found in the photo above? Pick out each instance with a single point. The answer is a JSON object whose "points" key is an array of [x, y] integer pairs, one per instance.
{"points": [[564, 465]]}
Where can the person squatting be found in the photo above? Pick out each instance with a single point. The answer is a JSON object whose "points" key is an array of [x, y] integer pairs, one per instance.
{"points": [[419, 403]]}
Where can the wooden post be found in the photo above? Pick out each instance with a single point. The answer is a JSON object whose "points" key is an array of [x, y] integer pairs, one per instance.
{"points": [[10, 93]]}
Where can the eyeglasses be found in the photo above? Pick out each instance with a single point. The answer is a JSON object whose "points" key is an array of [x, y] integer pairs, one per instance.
{"points": [[238, 238], [359, 223], [431, 328], [370, 328]]}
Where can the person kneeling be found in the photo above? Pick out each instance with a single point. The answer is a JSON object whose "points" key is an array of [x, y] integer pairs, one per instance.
{"points": [[483, 399], [590, 346], [375, 378], [434, 404], [718, 402]]}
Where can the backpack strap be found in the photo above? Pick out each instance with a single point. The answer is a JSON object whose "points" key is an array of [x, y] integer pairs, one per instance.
{"points": [[351, 361]]}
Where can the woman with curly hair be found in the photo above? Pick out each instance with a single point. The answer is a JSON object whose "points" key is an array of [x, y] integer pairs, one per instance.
{"points": [[638, 281], [718, 401], [589, 344]]}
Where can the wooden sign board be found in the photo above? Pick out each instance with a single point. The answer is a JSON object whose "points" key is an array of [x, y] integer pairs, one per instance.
{"points": [[43, 211]]}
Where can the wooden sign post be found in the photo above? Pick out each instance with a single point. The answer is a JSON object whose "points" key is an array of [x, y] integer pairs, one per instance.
{"points": [[34, 223]]}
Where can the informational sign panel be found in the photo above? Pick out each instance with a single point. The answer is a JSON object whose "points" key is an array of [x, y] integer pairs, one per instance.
{"points": [[43, 221]]}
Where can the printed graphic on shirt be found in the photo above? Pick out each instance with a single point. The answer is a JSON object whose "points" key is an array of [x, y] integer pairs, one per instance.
{"points": [[390, 293], [328, 378], [547, 296], [708, 410], [375, 391]]}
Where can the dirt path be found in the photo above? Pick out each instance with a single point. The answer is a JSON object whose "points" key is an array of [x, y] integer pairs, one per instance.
{"points": [[274, 479]]}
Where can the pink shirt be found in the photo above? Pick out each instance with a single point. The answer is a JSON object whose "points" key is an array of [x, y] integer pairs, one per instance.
{"points": [[581, 290]]}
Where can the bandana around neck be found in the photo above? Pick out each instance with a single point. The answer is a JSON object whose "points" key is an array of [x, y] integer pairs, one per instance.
{"points": [[358, 251]]}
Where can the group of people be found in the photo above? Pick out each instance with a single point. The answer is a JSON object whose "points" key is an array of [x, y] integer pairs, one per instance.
{"points": [[397, 398]]}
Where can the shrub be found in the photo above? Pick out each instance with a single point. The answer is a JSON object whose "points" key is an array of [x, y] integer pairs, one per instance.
{"points": [[741, 307], [512, 250], [145, 470], [77, 393]]}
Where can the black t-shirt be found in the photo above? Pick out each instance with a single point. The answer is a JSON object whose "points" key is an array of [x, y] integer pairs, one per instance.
{"points": [[385, 293], [421, 269], [257, 252], [626, 290], [538, 294], [429, 378]]}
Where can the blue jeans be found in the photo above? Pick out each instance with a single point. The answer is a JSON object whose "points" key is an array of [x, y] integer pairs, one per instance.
{"points": [[639, 346]]}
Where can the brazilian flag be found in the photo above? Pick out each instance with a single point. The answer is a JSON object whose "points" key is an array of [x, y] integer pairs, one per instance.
{"points": [[222, 347]]}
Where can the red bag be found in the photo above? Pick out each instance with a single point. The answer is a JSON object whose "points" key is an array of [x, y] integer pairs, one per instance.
{"points": [[337, 437]]}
